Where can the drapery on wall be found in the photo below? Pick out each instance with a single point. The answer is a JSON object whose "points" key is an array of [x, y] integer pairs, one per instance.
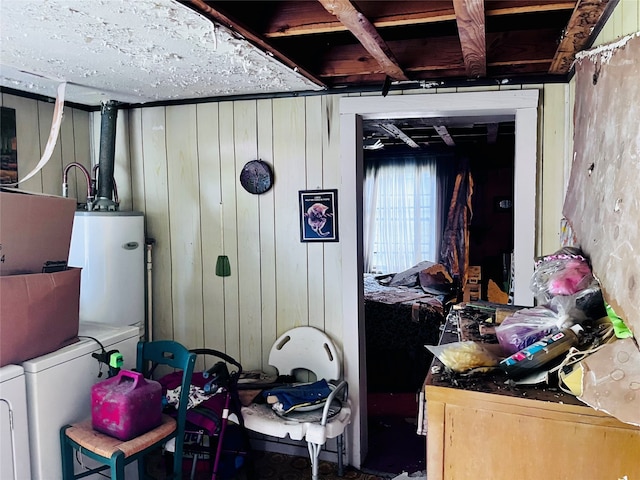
{"points": [[454, 254]]}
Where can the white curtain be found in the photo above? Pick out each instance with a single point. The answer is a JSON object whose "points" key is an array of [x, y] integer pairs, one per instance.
{"points": [[402, 213]]}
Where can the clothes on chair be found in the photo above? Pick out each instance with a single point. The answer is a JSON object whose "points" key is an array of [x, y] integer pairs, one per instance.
{"points": [[296, 396], [207, 413], [197, 395]]}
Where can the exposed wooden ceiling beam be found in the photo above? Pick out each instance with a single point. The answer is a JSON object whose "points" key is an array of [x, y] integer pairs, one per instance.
{"points": [[492, 133], [366, 34], [584, 18], [395, 132], [234, 25], [295, 18], [439, 54], [470, 21], [444, 135]]}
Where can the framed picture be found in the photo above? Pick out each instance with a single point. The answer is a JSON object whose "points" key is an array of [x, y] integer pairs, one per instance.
{"points": [[8, 146], [318, 215]]}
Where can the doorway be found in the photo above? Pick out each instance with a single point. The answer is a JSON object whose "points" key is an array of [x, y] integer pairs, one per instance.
{"points": [[521, 106], [411, 182]]}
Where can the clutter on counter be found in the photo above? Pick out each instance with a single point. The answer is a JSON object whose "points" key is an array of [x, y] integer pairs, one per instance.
{"points": [[565, 347]]}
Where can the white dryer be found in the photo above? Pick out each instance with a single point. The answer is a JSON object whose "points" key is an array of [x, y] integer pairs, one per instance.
{"points": [[14, 430], [59, 390]]}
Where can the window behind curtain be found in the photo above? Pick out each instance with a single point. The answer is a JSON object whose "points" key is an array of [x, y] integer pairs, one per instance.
{"points": [[402, 213]]}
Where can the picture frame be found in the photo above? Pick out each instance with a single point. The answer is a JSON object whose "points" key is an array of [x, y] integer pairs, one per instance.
{"points": [[318, 215], [8, 146]]}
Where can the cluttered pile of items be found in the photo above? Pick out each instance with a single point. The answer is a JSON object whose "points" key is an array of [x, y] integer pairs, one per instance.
{"points": [[571, 341]]}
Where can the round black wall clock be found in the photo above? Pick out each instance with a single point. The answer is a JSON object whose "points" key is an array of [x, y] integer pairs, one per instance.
{"points": [[256, 177]]}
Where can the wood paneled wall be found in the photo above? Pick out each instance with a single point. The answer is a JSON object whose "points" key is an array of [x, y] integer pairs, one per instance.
{"points": [[185, 164], [180, 166], [33, 123]]}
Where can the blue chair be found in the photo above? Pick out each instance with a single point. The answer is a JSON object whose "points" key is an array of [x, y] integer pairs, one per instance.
{"points": [[112, 453]]}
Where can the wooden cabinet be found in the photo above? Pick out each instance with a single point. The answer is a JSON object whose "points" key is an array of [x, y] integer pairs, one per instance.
{"points": [[483, 427], [487, 436]]}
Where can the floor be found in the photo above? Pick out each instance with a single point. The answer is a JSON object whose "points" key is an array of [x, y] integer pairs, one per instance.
{"points": [[396, 451], [394, 445]]}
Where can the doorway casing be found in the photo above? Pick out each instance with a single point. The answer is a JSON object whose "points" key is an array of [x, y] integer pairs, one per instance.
{"points": [[519, 105]]}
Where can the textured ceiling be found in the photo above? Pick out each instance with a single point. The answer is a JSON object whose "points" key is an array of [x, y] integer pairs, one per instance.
{"points": [[163, 51], [130, 51]]}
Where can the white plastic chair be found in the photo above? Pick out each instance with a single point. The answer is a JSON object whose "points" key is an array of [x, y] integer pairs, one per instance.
{"points": [[306, 349]]}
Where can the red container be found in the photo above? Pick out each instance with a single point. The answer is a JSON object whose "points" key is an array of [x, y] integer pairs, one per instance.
{"points": [[126, 405]]}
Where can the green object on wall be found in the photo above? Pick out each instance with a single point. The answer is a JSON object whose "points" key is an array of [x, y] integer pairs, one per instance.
{"points": [[223, 268]]}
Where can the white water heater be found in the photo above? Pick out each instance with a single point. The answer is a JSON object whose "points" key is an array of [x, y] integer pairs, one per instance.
{"points": [[109, 247]]}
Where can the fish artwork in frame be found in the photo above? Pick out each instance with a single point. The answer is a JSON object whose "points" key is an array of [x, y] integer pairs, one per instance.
{"points": [[318, 215]]}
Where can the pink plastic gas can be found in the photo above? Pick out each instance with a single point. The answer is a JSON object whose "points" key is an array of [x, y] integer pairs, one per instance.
{"points": [[126, 405]]}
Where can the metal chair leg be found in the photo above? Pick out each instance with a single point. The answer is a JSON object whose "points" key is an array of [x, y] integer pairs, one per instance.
{"points": [[340, 442], [314, 453]]}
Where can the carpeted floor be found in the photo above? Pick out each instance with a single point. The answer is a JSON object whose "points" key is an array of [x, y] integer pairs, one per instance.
{"points": [[394, 445], [275, 466]]}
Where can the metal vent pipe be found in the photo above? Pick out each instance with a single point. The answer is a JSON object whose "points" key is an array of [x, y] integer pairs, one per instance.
{"points": [[106, 161]]}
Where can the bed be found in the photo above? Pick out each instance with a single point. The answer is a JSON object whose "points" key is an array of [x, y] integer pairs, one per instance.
{"points": [[399, 321]]}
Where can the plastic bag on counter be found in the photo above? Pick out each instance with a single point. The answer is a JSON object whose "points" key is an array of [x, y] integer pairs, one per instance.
{"points": [[465, 356], [529, 325], [566, 272]]}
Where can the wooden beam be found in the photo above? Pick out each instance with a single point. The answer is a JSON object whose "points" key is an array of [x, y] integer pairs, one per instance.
{"points": [[576, 35], [492, 133], [395, 132], [443, 54], [235, 26], [299, 18], [470, 21], [366, 34], [444, 135]]}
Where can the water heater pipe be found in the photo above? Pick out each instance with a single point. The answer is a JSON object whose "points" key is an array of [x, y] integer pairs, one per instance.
{"points": [[109, 115], [94, 184], [149, 326]]}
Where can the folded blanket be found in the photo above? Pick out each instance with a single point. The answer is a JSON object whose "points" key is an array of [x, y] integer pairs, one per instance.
{"points": [[296, 396]]}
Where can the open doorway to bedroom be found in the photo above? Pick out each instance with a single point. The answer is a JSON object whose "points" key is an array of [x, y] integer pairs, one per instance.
{"points": [[519, 106], [410, 170]]}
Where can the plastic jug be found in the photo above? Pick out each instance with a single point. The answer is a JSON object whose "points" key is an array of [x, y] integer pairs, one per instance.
{"points": [[126, 405]]}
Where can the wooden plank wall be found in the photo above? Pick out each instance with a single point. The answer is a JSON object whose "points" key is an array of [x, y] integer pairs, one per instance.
{"points": [[180, 166], [185, 164], [33, 123]]}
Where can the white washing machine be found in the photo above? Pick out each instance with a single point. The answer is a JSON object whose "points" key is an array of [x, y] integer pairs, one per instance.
{"points": [[14, 429], [58, 389]]}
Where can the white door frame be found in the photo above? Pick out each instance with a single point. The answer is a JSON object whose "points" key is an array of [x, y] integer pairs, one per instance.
{"points": [[520, 105]]}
